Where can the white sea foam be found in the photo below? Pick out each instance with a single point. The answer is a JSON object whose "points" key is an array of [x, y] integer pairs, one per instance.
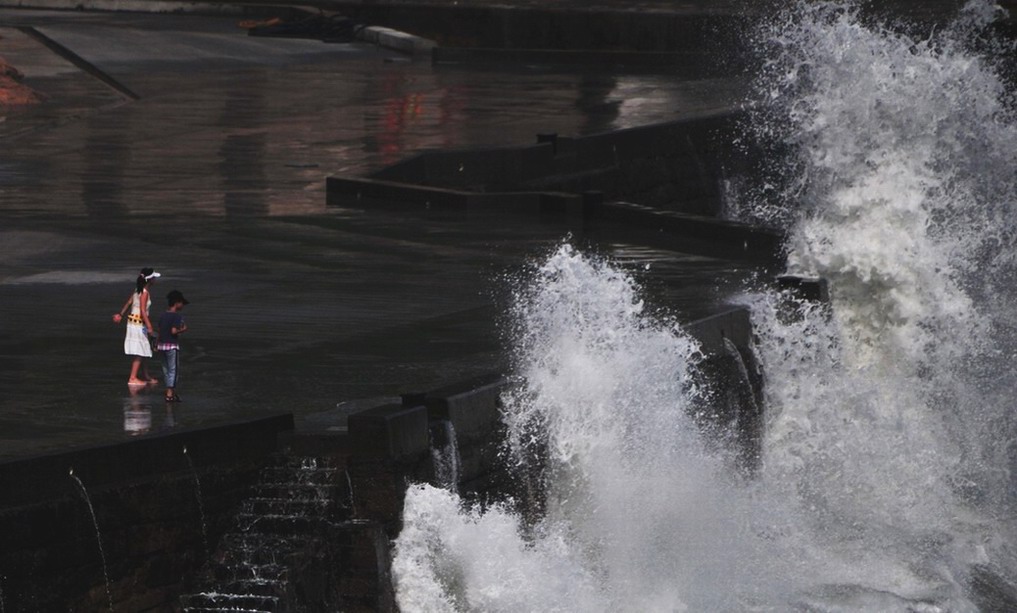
{"points": [[886, 454], [890, 415]]}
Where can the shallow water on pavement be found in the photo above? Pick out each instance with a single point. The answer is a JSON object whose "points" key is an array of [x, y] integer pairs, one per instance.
{"points": [[215, 177]]}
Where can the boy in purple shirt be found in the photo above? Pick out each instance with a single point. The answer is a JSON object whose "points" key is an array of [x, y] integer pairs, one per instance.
{"points": [[171, 325]]}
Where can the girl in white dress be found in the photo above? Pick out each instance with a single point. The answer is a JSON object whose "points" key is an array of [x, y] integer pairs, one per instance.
{"points": [[139, 327]]}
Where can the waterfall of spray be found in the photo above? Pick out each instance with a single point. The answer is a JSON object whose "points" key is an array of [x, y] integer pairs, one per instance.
{"points": [[890, 416], [899, 185]]}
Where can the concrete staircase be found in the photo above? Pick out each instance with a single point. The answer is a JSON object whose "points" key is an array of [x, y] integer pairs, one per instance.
{"points": [[280, 555]]}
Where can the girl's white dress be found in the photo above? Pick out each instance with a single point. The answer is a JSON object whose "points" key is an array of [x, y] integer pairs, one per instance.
{"points": [[136, 342]]}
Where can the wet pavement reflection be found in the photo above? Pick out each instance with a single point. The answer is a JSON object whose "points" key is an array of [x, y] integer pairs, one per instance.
{"points": [[215, 177]]}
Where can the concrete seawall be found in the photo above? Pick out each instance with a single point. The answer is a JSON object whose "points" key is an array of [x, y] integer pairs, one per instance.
{"points": [[146, 507]]}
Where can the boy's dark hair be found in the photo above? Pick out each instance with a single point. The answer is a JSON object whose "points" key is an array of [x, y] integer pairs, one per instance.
{"points": [[176, 296]]}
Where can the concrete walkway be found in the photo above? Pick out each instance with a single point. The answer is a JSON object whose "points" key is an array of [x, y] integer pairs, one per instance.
{"points": [[215, 176]]}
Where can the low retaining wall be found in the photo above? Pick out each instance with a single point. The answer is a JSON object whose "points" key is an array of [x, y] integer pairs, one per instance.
{"points": [[674, 165], [146, 505]]}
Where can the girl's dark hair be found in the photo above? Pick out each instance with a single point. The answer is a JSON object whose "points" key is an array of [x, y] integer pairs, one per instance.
{"points": [[142, 282]]}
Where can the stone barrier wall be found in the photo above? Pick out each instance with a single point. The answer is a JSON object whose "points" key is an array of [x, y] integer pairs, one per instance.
{"points": [[146, 506], [673, 166]]}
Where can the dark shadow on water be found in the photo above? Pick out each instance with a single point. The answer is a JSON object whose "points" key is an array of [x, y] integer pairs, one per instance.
{"points": [[105, 156]]}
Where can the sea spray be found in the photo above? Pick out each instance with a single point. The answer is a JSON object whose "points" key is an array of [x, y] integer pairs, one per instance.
{"points": [[899, 190], [639, 516]]}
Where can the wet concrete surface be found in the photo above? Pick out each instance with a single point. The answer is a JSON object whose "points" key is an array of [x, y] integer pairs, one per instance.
{"points": [[215, 177]]}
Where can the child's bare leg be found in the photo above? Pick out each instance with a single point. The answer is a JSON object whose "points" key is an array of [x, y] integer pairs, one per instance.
{"points": [[135, 365]]}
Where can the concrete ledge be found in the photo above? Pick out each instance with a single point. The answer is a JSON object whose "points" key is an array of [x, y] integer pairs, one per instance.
{"points": [[42, 478], [813, 289], [349, 190], [697, 233], [390, 431]]}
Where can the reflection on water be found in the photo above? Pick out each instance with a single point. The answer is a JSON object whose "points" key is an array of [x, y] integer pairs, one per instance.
{"points": [[138, 409], [596, 103], [261, 140], [242, 153]]}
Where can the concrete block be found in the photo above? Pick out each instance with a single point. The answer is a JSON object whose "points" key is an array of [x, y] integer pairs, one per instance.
{"points": [[734, 325], [473, 407], [389, 431], [814, 289]]}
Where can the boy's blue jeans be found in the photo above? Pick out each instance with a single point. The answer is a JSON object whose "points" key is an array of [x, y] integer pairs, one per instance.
{"points": [[170, 361]]}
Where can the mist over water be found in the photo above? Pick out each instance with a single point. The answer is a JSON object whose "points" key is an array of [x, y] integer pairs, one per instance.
{"points": [[887, 456]]}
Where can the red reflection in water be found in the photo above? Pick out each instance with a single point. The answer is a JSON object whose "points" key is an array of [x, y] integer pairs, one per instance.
{"points": [[407, 116]]}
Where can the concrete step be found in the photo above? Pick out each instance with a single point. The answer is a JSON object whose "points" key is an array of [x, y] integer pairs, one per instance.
{"points": [[229, 602], [229, 574], [279, 524], [283, 507], [315, 476]]}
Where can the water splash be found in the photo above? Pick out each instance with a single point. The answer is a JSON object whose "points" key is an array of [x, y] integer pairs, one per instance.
{"points": [[899, 180], [98, 535], [886, 482], [638, 516]]}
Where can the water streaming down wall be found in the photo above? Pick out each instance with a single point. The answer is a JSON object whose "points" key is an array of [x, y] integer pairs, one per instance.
{"points": [[885, 482], [98, 535], [445, 458]]}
